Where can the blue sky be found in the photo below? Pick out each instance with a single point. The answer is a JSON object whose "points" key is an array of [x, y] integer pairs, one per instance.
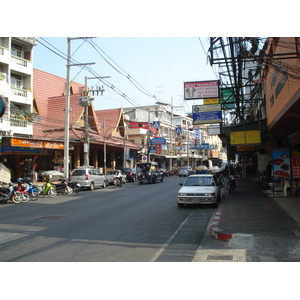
{"points": [[160, 65]]}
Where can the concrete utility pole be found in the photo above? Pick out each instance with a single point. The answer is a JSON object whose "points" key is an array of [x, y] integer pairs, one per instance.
{"points": [[67, 109], [86, 103]]}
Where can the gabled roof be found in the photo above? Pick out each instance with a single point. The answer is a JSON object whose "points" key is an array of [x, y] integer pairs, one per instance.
{"points": [[110, 120], [49, 91]]}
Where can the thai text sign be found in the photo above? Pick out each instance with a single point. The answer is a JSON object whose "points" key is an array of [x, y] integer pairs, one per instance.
{"points": [[201, 89], [245, 137], [204, 114]]}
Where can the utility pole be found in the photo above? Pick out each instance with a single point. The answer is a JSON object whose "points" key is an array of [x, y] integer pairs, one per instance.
{"points": [[67, 109], [86, 102]]}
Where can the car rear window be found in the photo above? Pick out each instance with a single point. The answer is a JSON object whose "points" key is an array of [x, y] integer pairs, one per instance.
{"points": [[78, 172]]}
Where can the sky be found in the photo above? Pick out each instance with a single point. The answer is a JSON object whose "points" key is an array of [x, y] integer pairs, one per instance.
{"points": [[156, 65]]}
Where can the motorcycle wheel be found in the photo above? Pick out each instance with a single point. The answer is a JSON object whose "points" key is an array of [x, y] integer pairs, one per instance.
{"points": [[34, 195], [4, 198], [76, 189], [25, 197], [16, 198], [52, 193], [69, 190]]}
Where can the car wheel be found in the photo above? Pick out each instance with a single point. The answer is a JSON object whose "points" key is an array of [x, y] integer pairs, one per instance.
{"points": [[104, 184], [217, 202], [92, 186]]}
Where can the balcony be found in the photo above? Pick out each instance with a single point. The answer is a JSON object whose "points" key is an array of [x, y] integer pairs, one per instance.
{"points": [[23, 96], [21, 65]]}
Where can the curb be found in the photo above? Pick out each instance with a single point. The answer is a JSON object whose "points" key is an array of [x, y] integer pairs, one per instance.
{"points": [[218, 233]]}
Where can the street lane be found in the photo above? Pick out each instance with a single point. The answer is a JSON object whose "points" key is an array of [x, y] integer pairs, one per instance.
{"points": [[135, 223]]}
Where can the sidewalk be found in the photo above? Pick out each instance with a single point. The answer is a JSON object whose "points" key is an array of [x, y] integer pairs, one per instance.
{"points": [[252, 226]]}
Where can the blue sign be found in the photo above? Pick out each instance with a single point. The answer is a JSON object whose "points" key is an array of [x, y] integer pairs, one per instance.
{"points": [[207, 117], [158, 141], [156, 124], [178, 130]]}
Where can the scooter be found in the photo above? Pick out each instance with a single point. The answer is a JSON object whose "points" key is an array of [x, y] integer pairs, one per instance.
{"points": [[63, 188], [75, 185], [3, 195], [20, 192], [12, 194], [118, 182], [48, 189], [231, 184], [32, 191]]}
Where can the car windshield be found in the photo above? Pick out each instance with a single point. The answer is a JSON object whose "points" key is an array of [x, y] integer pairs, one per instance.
{"points": [[199, 181], [111, 172]]}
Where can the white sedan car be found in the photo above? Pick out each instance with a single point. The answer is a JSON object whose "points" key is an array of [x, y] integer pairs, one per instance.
{"points": [[111, 174], [200, 189]]}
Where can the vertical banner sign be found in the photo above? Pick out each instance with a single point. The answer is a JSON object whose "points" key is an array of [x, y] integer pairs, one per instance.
{"points": [[197, 135], [296, 164], [281, 164], [201, 90]]}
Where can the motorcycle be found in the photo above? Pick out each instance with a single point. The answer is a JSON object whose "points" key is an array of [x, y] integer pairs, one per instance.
{"points": [[118, 182], [63, 188], [3, 195], [12, 194], [48, 189], [75, 185], [20, 192], [231, 184], [32, 190]]}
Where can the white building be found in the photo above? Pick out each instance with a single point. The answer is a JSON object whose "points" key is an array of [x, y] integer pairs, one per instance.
{"points": [[16, 80]]}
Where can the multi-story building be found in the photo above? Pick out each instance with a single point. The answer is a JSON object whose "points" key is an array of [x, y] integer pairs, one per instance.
{"points": [[16, 79]]}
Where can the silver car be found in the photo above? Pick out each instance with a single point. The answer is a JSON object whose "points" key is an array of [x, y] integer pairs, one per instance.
{"points": [[111, 174], [186, 171], [88, 177], [200, 189]]}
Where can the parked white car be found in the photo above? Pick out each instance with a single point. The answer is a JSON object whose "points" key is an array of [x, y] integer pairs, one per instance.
{"points": [[88, 177], [111, 174], [200, 189]]}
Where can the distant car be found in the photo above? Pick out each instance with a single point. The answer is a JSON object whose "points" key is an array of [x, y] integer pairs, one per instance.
{"points": [[88, 177], [130, 174], [186, 171], [202, 170], [200, 189], [111, 174]]}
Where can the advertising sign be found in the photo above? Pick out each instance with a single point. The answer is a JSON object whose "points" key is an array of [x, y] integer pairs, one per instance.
{"points": [[296, 164], [245, 137], [158, 141], [281, 163], [227, 98], [204, 114], [201, 89]]}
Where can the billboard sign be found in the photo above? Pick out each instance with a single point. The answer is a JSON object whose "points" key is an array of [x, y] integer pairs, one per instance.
{"points": [[227, 98], [205, 114], [201, 89]]}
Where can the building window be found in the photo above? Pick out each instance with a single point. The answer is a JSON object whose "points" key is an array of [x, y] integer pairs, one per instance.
{"points": [[16, 50], [16, 81]]}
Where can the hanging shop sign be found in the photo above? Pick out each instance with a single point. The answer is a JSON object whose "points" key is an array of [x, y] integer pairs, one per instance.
{"points": [[296, 164], [227, 98], [245, 137], [206, 114], [158, 141], [36, 144], [201, 89]]}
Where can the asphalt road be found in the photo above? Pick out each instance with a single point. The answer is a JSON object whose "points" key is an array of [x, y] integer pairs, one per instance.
{"points": [[138, 223]]}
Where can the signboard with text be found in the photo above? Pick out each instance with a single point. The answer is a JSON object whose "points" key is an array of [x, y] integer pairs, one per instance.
{"points": [[201, 89], [205, 114]]}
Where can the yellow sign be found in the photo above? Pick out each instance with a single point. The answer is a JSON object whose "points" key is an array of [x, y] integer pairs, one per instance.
{"points": [[36, 144], [211, 101], [245, 137]]}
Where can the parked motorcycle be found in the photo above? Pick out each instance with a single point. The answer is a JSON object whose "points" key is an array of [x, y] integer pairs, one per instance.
{"points": [[32, 190], [3, 194], [48, 189], [75, 185], [231, 184], [63, 187], [20, 192], [12, 194], [118, 182]]}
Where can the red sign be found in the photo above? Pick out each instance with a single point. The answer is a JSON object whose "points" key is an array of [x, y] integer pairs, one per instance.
{"points": [[201, 90], [296, 167]]}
